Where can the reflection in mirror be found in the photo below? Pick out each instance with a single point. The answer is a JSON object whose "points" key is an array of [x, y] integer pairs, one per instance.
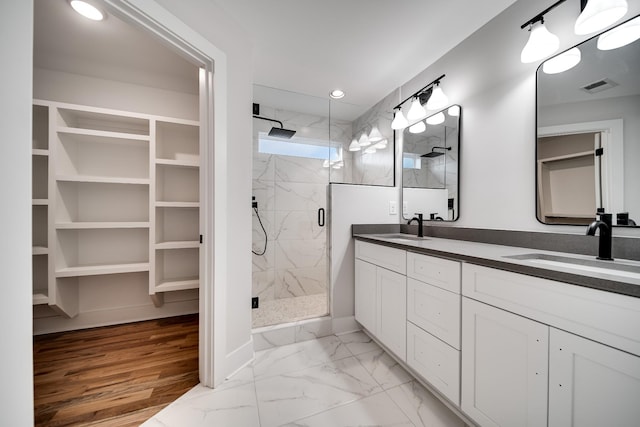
{"points": [[430, 167], [588, 135]]}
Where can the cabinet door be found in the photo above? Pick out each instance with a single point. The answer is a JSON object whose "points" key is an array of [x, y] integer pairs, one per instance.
{"points": [[366, 295], [392, 315], [504, 367], [591, 384]]}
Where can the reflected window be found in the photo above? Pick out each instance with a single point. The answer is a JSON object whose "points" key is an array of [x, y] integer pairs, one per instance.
{"points": [[298, 147], [411, 161]]}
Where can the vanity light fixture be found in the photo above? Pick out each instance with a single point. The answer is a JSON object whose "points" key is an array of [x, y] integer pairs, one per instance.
{"points": [[620, 36], [599, 14], [438, 99], [454, 111], [363, 141], [542, 42], [370, 150], [381, 145], [375, 135], [336, 94], [87, 10], [399, 121], [418, 127], [436, 119], [563, 62], [354, 146], [417, 111]]}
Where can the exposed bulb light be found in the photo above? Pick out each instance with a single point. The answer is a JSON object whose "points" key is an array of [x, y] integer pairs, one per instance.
{"points": [[375, 135], [399, 121], [436, 119], [438, 99], [364, 141], [370, 150], [620, 36], [417, 111], [418, 127], [541, 43], [599, 14], [563, 62], [87, 10], [354, 146], [381, 145], [454, 111], [336, 94]]}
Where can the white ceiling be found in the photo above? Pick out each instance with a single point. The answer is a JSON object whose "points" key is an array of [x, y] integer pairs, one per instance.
{"points": [[365, 47]]}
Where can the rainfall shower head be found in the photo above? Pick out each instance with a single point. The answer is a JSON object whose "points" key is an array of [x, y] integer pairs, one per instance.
{"points": [[434, 153], [276, 132]]}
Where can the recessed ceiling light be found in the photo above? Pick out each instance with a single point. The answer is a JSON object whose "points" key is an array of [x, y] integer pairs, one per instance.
{"points": [[336, 94], [87, 10]]}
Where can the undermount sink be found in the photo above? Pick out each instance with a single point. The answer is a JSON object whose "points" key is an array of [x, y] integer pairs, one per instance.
{"points": [[626, 269], [401, 236]]}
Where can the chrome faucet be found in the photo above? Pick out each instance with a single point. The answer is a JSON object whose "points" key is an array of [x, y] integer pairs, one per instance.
{"points": [[604, 246], [419, 219]]}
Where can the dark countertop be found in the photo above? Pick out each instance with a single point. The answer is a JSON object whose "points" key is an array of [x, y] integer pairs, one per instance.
{"points": [[495, 256]]}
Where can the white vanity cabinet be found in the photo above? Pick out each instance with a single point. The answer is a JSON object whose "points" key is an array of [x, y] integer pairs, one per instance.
{"points": [[380, 294]]}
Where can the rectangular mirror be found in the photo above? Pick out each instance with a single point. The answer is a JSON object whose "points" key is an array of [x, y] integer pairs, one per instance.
{"points": [[430, 167], [588, 133]]}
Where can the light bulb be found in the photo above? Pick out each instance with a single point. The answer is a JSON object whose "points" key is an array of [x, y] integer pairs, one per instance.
{"points": [[370, 150], [438, 99], [620, 36], [375, 135], [563, 62], [354, 146], [364, 141], [336, 94], [418, 127], [599, 14], [541, 43], [399, 121], [454, 111], [436, 119], [87, 10], [417, 111]]}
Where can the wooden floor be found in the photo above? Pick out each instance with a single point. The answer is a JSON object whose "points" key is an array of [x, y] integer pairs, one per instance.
{"points": [[114, 376]]}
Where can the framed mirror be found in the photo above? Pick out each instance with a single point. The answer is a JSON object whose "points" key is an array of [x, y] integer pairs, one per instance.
{"points": [[430, 171], [588, 134]]}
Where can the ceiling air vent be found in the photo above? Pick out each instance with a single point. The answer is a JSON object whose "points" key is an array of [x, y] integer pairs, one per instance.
{"points": [[599, 86]]}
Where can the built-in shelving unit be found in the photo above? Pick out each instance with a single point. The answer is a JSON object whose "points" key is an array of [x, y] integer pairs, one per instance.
{"points": [[114, 193]]}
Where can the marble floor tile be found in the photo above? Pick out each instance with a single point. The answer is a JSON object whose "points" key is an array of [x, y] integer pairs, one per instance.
{"points": [[384, 369], [358, 342], [288, 397], [377, 410], [293, 357], [422, 407]]}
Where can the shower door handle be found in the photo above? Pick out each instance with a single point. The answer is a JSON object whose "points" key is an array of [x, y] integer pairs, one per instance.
{"points": [[321, 217]]}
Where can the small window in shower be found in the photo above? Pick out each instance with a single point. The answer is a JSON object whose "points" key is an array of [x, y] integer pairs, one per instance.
{"points": [[411, 161], [298, 147]]}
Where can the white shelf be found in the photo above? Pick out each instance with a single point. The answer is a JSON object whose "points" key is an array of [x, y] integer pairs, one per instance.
{"points": [[40, 250], [189, 244], [162, 204], [103, 179], [39, 152], [104, 134], [94, 270], [40, 298], [177, 285], [40, 202], [178, 163], [99, 225]]}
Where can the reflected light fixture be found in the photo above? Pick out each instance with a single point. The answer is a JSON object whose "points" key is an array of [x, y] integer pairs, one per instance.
{"points": [[375, 135], [354, 146], [370, 150], [336, 94], [87, 10], [399, 121], [418, 127], [363, 141], [417, 111], [326, 163], [381, 145], [620, 36], [438, 99], [436, 119], [563, 62], [599, 14], [454, 111]]}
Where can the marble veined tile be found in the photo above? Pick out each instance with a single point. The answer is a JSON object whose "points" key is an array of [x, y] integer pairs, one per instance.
{"points": [[265, 194], [359, 342], [201, 406], [273, 337], [291, 225], [300, 253], [377, 410], [300, 169], [296, 282], [263, 166], [292, 196], [288, 397], [263, 285], [422, 407], [289, 358], [384, 369]]}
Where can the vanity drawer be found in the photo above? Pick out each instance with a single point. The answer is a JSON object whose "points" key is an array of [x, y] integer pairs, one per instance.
{"points": [[435, 361], [606, 317], [435, 310], [384, 256], [439, 272]]}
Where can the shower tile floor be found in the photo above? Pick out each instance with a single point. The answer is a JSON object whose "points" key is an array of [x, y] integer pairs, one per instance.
{"points": [[286, 310], [335, 381]]}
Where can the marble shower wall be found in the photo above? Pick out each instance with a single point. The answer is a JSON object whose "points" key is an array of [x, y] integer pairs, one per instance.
{"points": [[289, 191]]}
